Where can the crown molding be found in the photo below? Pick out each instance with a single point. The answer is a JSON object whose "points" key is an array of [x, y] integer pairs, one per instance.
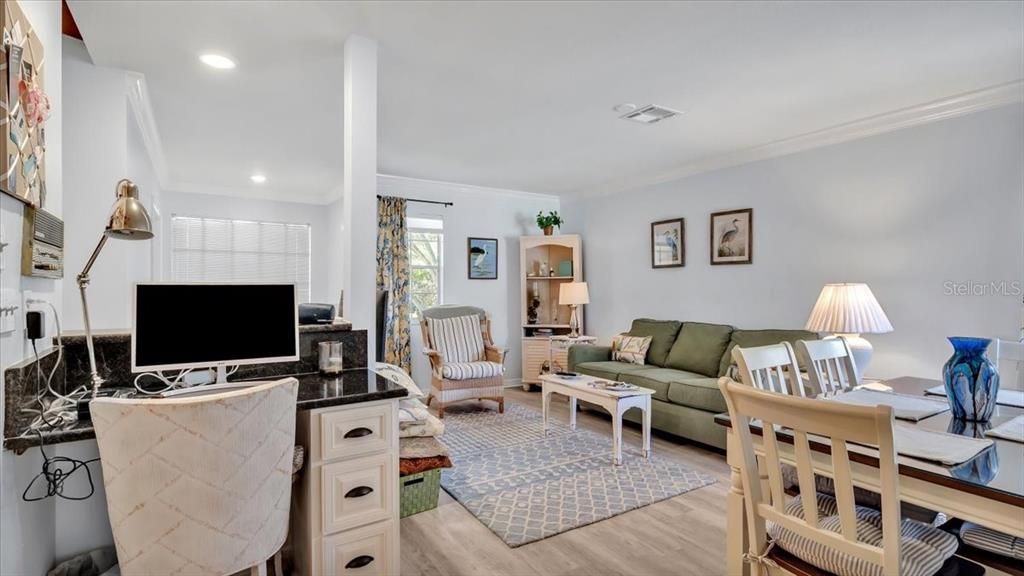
{"points": [[142, 111], [385, 180], [951, 107]]}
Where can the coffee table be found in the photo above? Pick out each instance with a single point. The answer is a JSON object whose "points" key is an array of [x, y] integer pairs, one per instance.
{"points": [[614, 401]]}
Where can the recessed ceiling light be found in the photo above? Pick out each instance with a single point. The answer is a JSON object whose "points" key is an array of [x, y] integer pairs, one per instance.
{"points": [[258, 178], [217, 61], [624, 108]]}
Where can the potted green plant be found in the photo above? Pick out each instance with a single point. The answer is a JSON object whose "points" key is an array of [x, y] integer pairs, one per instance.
{"points": [[547, 222]]}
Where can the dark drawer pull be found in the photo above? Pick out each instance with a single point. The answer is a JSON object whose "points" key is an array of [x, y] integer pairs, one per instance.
{"points": [[359, 562], [358, 432], [358, 492], [413, 481]]}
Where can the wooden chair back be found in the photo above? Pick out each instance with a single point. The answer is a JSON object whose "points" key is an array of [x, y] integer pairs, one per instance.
{"points": [[840, 424], [771, 368], [1009, 361], [198, 485], [830, 364]]}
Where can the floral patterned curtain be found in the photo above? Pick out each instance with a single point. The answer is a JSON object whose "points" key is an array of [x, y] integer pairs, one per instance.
{"points": [[393, 276]]}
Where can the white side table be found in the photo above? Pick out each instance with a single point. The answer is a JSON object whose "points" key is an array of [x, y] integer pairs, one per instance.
{"points": [[558, 351]]}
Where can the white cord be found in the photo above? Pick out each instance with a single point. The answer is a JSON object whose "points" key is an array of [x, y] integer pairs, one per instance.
{"points": [[168, 383]]}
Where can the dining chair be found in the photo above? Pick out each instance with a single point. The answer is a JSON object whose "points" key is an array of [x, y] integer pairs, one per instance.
{"points": [[770, 368], [829, 363], [1009, 361], [829, 533], [198, 485]]}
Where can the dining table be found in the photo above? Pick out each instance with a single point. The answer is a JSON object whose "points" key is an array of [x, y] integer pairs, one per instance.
{"points": [[987, 490]]}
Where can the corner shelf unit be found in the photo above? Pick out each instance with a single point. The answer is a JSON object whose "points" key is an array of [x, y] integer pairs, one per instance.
{"points": [[538, 254]]}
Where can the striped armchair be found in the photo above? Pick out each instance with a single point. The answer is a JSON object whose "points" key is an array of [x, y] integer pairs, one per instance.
{"points": [[464, 362]]}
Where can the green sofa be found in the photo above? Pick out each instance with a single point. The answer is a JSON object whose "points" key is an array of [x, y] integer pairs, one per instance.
{"points": [[683, 365]]}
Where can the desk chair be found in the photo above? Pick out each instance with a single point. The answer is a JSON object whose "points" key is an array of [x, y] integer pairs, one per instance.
{"points": [[199, 485], [816, 530]]}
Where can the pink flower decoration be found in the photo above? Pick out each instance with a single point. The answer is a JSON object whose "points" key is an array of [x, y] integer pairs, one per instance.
{"points": [[37, 104]]}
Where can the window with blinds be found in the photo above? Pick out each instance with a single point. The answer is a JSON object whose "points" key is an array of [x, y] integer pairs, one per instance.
{"points": [[217, 250]]}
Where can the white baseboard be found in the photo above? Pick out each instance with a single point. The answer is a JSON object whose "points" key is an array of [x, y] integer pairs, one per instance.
{"points": [[513, 382]]}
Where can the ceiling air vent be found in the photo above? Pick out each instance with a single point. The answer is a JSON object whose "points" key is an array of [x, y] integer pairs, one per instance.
{"points": [[650, 114]]}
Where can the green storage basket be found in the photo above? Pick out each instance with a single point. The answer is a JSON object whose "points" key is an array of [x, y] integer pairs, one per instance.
{"points": [[419, 492]]}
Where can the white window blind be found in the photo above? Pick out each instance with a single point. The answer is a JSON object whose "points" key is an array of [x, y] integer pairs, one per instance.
{"points": [[217, 250]]}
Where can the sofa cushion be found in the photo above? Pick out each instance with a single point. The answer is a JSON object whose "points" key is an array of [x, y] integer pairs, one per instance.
{"points": [[657, 379], [610, 369], [748, 338], [698, 392], [699, 347], [663, 334]]}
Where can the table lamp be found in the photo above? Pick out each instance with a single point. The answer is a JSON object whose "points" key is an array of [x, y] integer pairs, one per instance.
{"points": [[573, 294], [128, 220], [849, 310]]}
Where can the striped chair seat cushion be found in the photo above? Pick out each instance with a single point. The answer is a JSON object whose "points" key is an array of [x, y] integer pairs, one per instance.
{"points": [[471, 370], [458, 339], [992, 541], [923, 548]]}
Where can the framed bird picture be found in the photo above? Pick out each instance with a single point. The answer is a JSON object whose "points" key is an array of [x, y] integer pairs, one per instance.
{"points": [[483, 258], [732, 237], [668, 243]]}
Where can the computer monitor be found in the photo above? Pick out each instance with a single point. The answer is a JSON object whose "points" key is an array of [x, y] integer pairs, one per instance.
{"points": [[213, 325]]}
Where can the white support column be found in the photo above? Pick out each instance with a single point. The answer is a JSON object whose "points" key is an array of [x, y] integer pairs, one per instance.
{"points": [[360, 186]]}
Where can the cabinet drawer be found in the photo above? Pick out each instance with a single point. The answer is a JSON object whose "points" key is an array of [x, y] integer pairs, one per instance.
{"points": [[358, 492], [355, 432], [363, 552]]}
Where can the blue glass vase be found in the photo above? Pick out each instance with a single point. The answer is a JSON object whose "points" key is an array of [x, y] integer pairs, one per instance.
{"points": [[971, 380]]}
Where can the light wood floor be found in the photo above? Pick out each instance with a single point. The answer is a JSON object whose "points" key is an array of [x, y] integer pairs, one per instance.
{"points": [[679, 536]]}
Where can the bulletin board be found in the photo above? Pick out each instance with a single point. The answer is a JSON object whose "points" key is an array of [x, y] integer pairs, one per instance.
{"points": [[25, 108]]}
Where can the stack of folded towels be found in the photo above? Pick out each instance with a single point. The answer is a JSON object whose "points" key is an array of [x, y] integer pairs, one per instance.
{"points": [[419, 448]]}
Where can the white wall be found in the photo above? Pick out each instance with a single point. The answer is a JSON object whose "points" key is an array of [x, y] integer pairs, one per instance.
{"points": [[27, 529], [905, 212], [478, 212], [334, 259], [107, 147], [211, 206]]}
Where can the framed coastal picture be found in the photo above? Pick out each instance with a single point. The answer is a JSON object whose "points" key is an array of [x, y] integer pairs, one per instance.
{"points": [[668, 244], [483, 258], [732, 237]]}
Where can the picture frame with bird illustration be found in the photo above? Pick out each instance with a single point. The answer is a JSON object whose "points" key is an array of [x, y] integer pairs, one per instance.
{"points": [[482, 258], [732, 237], [668, 243]]}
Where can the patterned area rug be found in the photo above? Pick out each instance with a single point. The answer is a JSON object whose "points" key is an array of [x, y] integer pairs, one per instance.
{"points": [[526, 486]]}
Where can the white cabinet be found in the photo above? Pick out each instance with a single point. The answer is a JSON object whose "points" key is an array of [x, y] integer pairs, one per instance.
{"points": [[346, 514]]}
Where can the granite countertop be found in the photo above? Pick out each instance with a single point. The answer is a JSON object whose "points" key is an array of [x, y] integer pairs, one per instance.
{"points": [[315, 391]]}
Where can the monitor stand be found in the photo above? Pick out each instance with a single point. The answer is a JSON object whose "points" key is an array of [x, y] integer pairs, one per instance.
{"points": [[220, 385]]}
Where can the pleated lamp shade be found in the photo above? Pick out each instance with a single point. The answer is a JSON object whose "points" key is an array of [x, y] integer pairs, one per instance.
{"points": [[848, 309]]}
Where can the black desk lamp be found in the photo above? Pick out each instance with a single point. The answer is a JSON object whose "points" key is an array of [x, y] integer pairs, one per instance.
{"points": [[128, 221]]}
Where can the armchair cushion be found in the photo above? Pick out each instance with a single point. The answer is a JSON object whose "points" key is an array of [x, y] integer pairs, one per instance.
{"points": [[458, 339], [471, 370]]}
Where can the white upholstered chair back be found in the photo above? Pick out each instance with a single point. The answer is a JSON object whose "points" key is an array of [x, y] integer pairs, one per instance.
{"points": [[830, 364], [1009, 361], [770, 368], [840, 424], [199, 485]]}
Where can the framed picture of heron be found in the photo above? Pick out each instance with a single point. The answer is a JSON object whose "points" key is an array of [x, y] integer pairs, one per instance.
{"points": [[668, 243], [483, 258], [732, 237]]}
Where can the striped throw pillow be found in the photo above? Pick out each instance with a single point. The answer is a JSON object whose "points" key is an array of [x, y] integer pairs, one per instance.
{"points": [[458, 339], [632, 349]]}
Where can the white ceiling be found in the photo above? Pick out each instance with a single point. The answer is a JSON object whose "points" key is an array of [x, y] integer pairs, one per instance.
{"points": [[518, 95]]}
